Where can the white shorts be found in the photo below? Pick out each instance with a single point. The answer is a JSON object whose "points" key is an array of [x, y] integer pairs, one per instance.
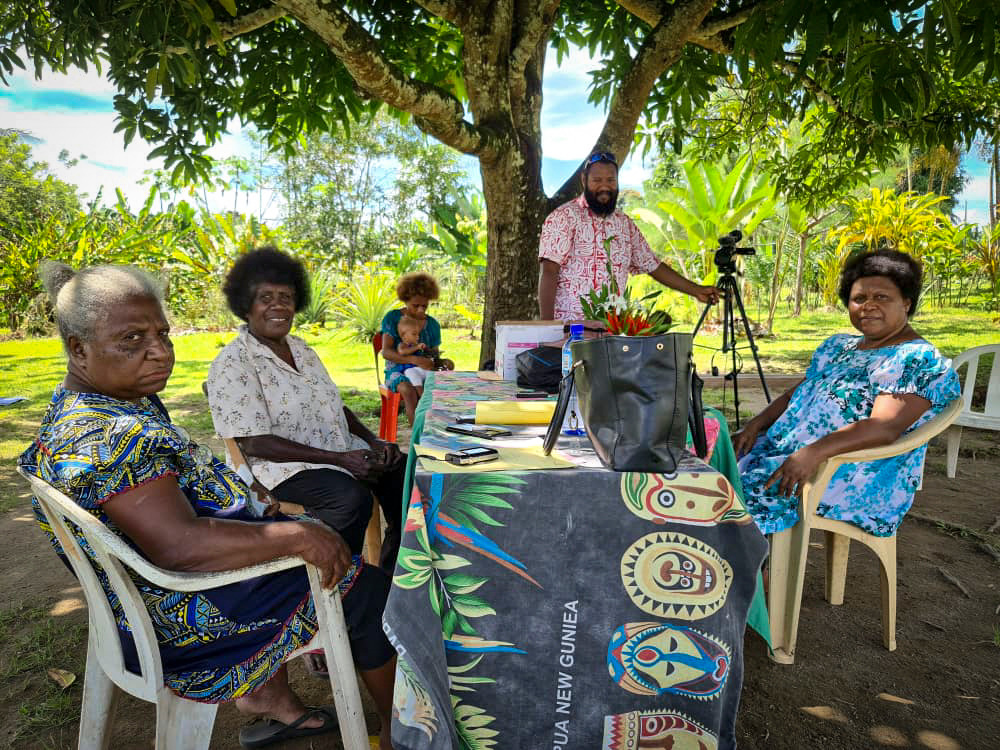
{"points": [[416, 375]]}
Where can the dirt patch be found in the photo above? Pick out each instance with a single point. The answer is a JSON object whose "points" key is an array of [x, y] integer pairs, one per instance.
{"points": [[940, 689], [947, 660]]}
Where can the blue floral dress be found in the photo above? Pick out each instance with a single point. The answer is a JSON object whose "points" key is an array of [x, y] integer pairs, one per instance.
{"points": [[216, 645], [840, 387]]}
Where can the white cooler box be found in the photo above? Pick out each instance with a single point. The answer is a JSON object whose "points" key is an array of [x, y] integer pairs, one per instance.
{"points": [[516, 336]]}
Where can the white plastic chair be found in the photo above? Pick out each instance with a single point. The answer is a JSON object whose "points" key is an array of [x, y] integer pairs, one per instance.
{"points": [[789, 547], [180, 724], [989, 417]]}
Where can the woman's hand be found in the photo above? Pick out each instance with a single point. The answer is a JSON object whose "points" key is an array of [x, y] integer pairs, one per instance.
{"points": [[797, 469], [386, 453], [264, 496], [743, 440], [362, 463], [422, 361], [327, 550]]}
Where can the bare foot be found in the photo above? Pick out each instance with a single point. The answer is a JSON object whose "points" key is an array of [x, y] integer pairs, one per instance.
{"points": [[316, 663], [275, 700]]}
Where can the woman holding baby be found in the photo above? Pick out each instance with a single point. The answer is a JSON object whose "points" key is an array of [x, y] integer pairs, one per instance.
{"points": [[411, 339]]}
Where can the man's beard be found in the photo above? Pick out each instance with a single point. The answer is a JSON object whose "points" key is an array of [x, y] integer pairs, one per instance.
{"points": [[601, 209]]}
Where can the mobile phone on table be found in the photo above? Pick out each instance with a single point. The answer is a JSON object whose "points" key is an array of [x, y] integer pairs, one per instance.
{"points": [[478, 430], [475, 455], [532, 394]]}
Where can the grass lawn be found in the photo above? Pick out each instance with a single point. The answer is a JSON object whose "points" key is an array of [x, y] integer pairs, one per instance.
{"points": [[32, 367]]}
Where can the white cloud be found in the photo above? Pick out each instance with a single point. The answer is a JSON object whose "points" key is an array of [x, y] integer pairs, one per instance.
{"points": [[633, 173], [109, 164], [972, 204], [75, 80], [974, 214]]}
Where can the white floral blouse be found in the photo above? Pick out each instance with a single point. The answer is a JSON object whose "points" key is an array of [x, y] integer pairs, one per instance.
{"points": [[251, 391]]}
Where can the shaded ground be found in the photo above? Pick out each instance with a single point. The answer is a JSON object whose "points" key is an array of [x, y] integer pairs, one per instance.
{"points": [[947, 662]]}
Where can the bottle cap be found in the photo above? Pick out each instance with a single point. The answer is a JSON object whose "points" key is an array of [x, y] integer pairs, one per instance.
{"points": [[576, 329]]}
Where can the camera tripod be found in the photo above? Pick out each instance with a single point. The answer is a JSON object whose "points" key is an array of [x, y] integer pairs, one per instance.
{"points": [[731, 302]]}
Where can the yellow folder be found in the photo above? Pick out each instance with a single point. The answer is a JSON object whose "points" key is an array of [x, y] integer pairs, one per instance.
{"points": [[515, 412]]}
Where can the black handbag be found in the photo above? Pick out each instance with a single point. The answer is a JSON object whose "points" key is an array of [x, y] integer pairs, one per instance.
{"points": [[638, 395]]}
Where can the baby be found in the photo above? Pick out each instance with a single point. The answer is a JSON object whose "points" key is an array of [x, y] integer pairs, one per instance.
{"points": [[409, 343]]}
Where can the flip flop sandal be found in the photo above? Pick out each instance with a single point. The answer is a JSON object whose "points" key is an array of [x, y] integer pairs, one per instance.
{"points": [[268, 731]]}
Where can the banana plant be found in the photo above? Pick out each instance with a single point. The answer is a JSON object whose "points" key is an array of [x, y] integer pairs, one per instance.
{"points": [[686, 221]]}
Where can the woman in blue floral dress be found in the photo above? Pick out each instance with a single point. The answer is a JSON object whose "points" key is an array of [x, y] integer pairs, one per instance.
{"points": [[860, 391]]}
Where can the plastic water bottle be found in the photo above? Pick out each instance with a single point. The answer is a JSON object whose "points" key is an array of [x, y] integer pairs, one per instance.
{"points": [[573, 421], [255, 505]]}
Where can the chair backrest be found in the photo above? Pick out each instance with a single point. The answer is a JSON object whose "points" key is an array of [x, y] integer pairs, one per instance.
{"points": [[971, 358], [234, 456], [110, 552], [235, 459], [113, 555], [377, 348]]}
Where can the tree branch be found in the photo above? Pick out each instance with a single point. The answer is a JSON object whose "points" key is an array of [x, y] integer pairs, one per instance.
{"points": [[652, 12], [535, 26], [238, 27], [250, 22], [709, 35], [661, 49], [715, 26], [437, 112], [649, 11], [453, 12]]}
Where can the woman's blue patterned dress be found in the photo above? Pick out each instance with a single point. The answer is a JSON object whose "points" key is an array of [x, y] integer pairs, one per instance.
{"points": [[840, 387], [216, 645]]}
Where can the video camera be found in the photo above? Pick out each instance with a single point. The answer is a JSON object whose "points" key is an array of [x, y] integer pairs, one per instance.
{"points": [[727, 249]]}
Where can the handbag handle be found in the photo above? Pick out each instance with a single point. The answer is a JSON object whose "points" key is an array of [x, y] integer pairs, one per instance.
{"points": [[696, 412], [562, 404]]}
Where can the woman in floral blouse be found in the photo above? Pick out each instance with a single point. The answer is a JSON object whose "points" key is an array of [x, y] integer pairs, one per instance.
{"points": [[270, 391]]}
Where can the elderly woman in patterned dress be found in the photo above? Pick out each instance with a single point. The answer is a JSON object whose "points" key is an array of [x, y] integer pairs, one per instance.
{"points": [[860, 391], [108, 444]]}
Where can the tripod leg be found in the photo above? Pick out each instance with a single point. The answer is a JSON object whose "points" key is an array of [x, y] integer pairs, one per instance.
{"points": [[753, 344], [730, 324], [701, 320]]}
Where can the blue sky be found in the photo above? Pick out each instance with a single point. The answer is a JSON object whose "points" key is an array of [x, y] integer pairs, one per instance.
{"points": [[74, 112]]}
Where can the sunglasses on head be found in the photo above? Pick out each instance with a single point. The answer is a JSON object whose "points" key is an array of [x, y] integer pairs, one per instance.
{"points": [[601, 156]]}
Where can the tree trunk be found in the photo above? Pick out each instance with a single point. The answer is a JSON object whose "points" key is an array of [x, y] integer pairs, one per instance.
{"points": [[516, 205], [772, 303], [799, 270], [995, 183], [516, 210]]}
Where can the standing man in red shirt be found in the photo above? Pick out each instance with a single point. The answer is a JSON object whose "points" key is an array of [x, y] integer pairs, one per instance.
{"points": [[572, 254]]}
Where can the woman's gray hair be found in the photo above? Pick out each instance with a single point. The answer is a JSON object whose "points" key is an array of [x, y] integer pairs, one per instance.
{"points": [[81, 299]]}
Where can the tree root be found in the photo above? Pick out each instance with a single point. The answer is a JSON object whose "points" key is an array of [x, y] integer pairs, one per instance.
{"points": [[987, 542], [954, 582]]}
